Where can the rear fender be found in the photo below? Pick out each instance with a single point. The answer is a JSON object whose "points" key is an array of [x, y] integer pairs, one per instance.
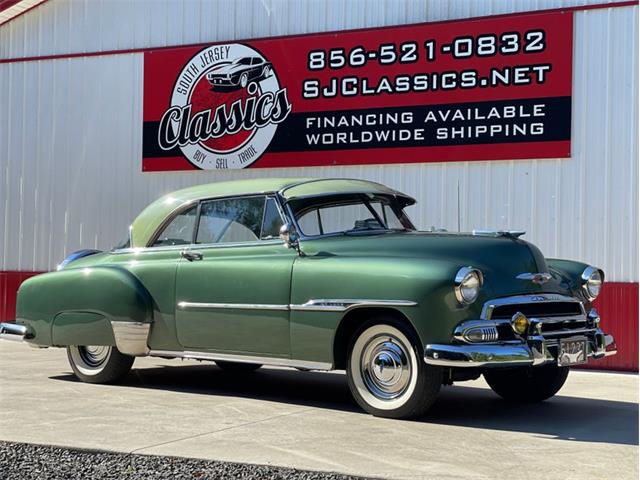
{"points": [[102, 305]]}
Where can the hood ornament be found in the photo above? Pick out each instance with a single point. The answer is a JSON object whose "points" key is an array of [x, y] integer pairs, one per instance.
{"points": [[498, 233], [537, 278]]}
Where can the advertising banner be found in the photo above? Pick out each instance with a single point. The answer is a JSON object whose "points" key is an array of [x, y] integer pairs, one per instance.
{"points": [[492, 88]]}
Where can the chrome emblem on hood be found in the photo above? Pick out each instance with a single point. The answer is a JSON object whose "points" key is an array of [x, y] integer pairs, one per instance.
{"points": [[537, 278]]}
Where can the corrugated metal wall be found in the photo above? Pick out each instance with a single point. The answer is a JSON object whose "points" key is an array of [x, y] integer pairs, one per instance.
{"points": [[71, 26], [71, 130]]}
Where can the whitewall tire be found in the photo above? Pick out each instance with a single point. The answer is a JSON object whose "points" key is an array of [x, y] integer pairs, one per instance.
{"points": [[98, 364], [386, 373]]}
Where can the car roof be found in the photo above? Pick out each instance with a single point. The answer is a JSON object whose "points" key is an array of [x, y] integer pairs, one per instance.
{"points": [[152, 217]]}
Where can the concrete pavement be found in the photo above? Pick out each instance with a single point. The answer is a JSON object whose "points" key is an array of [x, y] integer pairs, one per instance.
{"points": [[309, 421]]}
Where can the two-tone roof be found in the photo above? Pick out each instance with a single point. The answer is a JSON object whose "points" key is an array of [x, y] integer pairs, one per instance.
{"points": [[150, 219]]}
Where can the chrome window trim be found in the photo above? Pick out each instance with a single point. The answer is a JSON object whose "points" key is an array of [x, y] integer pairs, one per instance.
{"points": [[239, 358], [533, 298], [198, 246]]}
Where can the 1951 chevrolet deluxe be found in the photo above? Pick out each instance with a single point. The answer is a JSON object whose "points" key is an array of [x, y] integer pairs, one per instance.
{"points": [[204, 275]]}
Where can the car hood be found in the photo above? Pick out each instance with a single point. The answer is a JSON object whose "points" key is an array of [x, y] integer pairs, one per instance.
{"points": [[501, 259]]}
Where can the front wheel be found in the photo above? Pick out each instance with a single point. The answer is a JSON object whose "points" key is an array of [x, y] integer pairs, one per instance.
{"points": [[527, 385], [99, 364], [386, 373], [244, 80]]}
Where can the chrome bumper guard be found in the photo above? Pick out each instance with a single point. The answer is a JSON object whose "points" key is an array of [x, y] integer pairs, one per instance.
{"points": [[14, 331], [533, 351]]}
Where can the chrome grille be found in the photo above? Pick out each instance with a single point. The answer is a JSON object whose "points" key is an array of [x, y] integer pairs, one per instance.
{"points": [[558, 315]]}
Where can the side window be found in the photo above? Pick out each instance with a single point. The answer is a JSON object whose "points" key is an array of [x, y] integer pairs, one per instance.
{"points": [[272, 220], [231, 220], [179, 231], [387, 215], [309, 223]]}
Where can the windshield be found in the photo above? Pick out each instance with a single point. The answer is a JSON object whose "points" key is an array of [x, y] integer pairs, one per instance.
{"points": [[349, 214]]}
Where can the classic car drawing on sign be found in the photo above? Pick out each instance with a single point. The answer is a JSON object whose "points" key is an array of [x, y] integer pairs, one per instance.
{"points": [[239, 72], [204, 274]]}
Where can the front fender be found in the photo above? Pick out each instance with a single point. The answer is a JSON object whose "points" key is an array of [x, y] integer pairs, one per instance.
{"points": [[59, 307], [427, 283], [570, 274]]}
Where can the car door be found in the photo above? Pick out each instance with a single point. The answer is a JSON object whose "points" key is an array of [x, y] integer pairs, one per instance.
{"points": [[256, 67], [233, 284]]}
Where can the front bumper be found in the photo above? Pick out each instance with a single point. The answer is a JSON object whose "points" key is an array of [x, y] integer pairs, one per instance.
{"points": [[534, 351], [222, 81]]}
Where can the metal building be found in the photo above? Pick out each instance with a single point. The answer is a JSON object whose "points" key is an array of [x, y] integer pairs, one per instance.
{"points": [[71, 139]]}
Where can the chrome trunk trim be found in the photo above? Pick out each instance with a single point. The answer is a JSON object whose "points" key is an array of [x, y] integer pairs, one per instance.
{"points": [[131, 337], [229, 357]]}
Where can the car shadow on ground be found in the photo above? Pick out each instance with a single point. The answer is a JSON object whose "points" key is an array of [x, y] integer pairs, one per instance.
{"points": [[562, 417]]}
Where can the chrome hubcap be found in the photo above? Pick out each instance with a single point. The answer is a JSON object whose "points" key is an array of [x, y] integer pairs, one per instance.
{"points": [[385, 367], [94, 356]]}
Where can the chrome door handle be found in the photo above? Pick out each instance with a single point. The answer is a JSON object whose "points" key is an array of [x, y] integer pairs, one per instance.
{"points": [[191, 256]]}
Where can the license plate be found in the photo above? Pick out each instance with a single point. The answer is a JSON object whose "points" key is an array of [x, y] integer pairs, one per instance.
{"points": [[572, 351]]}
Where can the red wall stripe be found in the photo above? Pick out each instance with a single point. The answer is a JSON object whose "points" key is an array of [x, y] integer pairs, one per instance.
{"points": [[618, 307], [9, 283]]}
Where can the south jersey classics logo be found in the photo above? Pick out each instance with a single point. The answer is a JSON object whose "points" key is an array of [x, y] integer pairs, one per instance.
{"points": [[225, 108]]}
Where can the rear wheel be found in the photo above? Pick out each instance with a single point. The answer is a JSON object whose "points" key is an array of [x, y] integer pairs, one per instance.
{"points": [[527, 385], [386, 373], [235, 367], [98, 364]]}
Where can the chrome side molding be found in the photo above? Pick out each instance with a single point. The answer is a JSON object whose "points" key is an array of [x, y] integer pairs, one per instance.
{"points": [[131, 337], [342, 305], [234, 306], [228, 357], [318, 305]]}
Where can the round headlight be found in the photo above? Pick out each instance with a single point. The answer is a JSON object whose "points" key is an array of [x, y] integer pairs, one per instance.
{"points": [[592, 282], [467, 285]]}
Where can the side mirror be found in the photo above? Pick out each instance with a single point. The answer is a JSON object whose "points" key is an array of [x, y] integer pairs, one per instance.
{"points": [[288, 236]]}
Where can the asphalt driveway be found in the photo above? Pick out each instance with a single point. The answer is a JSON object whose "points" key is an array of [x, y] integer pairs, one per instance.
{"points": [[309, 421]]}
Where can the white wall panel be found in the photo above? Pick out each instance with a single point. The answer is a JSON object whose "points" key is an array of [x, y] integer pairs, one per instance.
{"points": [[71, 133], [80, 26]]}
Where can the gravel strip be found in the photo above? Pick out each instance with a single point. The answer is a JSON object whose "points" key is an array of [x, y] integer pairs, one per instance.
{"points": [[28, 461]]}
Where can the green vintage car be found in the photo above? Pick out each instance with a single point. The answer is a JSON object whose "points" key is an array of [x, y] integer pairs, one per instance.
{"points": [[320, 274]]}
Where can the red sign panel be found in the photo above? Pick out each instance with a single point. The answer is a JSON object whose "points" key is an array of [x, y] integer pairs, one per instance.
{"points": [[485, 89]]}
